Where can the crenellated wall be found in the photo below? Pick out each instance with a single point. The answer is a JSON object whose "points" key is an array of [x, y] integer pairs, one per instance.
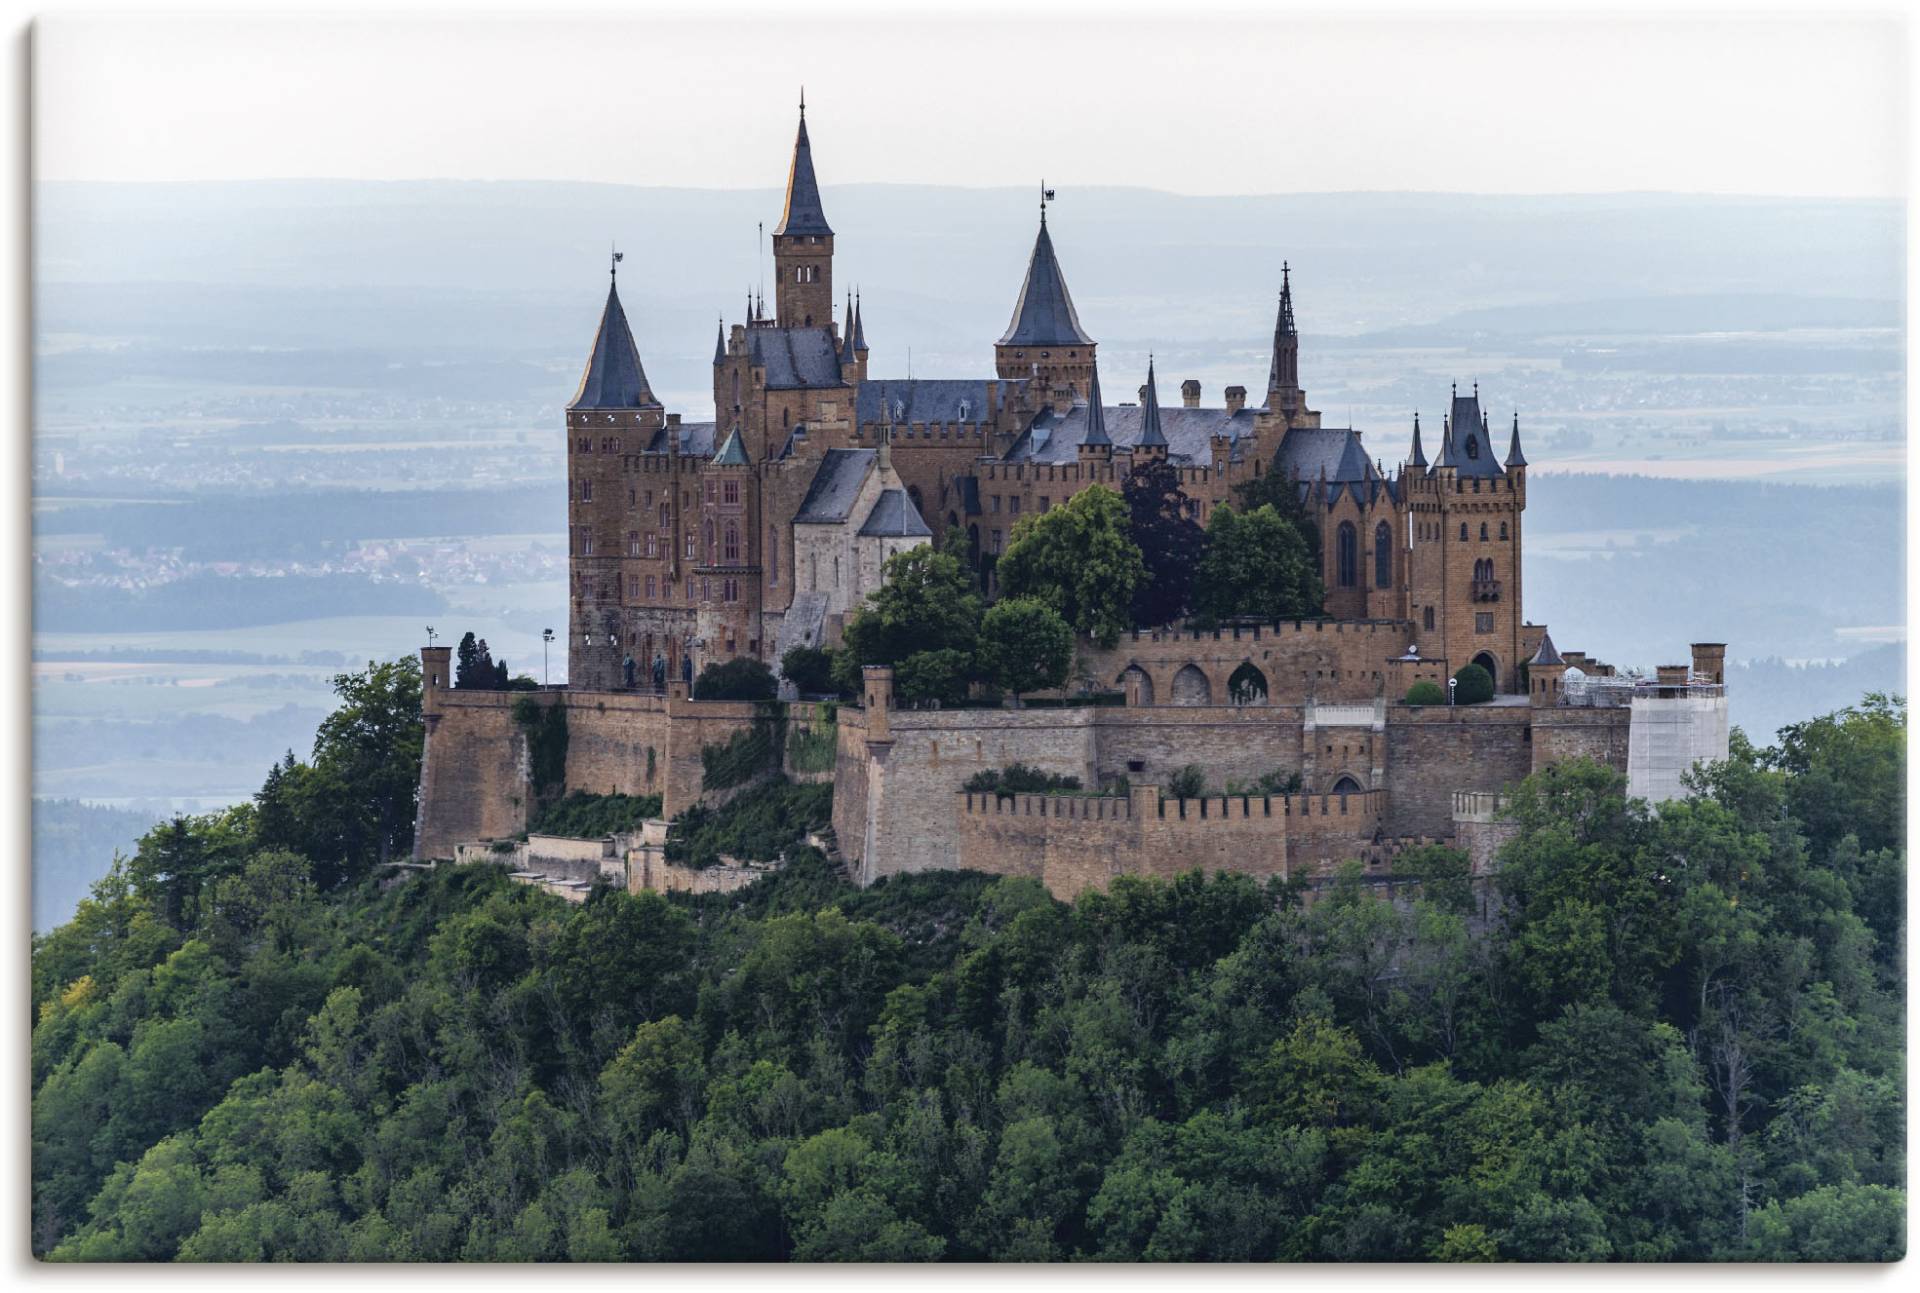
{"points": [[1325, 659]]}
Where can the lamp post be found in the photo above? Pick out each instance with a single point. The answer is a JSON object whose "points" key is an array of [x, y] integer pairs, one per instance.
{"points": [[1451, 684], [546, 640]]}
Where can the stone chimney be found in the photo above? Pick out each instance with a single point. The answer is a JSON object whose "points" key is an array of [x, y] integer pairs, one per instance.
{"points": [[1190, 394], [1062, 400], [1236, 398], [1670, 675], [1710, 662], [673, 419]]}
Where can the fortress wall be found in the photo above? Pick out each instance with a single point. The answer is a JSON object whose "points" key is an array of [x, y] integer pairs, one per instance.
{"points": [[1331, 660], [692, 726], [1434, 750], [1563, 732], [473, 775], [616, 743], [1239, 743]]}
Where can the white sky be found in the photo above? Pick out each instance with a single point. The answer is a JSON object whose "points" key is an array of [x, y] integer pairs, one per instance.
{"points": [[1194, 105]]}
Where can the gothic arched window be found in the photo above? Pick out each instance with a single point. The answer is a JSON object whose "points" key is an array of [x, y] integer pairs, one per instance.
{"points": [[1463, 531], [1483, 531], [1348, 555], [1503, 531], [1382, 556], [733, 545]]}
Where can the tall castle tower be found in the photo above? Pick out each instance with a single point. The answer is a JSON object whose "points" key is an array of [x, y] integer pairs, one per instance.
{"points": [[1045, 340], [1465, 515], [613, 414], [803, 245], [1285, 399]]}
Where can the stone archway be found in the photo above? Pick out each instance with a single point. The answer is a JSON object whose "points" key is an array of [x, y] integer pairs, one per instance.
{"points": [[1137, 683], [1346, 786], [1486, 661], [1247, 686], [1190, 687]]}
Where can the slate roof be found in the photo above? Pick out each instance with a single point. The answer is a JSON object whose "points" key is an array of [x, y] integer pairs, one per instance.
{"points": [[918, 399], [614, 378], [1044, 314], [1514, 457], [1546, 654], [1150, 432], [803, 214], [1419, 458], [836, 483], [1189, 433], [720, 345], [895, 517], [696, 439], [1335, 451], [732, 453], [1096, 425], [1467, 448], [795, 358], [859, 326]]}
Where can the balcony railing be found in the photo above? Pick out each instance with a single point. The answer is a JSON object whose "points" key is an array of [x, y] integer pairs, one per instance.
{"points": [[1486, 590]]}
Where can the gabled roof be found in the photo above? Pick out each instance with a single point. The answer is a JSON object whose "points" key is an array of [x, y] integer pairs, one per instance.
{"points": [[614, 378], [1044, 314], [1334, 452], [1546, 654], [803, 214], [795, 358], [1150, 433], [695, 439], [929, 400], [836, 484], [732, 453], [1056, 438], [894, 516]]}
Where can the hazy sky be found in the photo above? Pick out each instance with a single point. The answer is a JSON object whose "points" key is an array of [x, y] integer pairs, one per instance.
{"points": [[1804, 107]]}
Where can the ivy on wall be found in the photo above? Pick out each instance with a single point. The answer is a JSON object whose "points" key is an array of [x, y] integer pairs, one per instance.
{"points": [[815, 747], [545, 727], [746, 754]]}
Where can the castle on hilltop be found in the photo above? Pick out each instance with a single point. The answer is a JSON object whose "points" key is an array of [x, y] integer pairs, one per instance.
{"points": [[695, 543]]}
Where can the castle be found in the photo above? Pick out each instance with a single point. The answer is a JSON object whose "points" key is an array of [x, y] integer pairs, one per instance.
{"points": [[692, 543]]}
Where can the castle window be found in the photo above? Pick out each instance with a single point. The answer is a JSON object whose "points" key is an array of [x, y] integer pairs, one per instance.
{"points": [[730, 492], [1483, 622], [631, 496], [1429, 619], [586, 542], [633, 543], [1483, 531], [1046, 504], [836, 572], [706, 590], [1503, 531], [1347, 553], [689, 545], [1013, 505], [586, 491], [733, 547], [1382, 556], [653, 544], [650, 587], [666, 518], [773, 557], [709, 535], [633, 586], [993, 504], [689, 591], [995, 549], [709, 490], [1463, 531]]}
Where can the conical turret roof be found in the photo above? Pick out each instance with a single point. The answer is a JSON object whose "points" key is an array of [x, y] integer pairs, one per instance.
{"points": [[1514, 457], [1044, 314], [804, 214], [732, 453], [1096, 416], [614, 378], [1419, 458], [1150, 432]]}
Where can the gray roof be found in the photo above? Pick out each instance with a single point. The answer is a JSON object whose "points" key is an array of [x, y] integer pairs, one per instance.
{"points": [[1419, 458], [1189, 433], [1096, 426], [803, 214], [859, 325], [1312, 451], [895, 517], [1150, 432], [720, 344], [1546, 654], [929, 400], [795, 358], [696, 439], [836, 483], [1514, 457], [614, 378], [732, 453], [1466, 446], [1044, 314]]}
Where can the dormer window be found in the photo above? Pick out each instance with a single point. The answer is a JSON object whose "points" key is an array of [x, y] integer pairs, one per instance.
{"points": [[1473, 446]]}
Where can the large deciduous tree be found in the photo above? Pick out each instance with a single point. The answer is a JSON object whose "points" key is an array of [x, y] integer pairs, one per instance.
{"points": [[1256, 565], [926, 602], [1080, 560], [1025, 645]]}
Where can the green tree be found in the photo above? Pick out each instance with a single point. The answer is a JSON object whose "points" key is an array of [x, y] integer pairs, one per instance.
{"points": [[1472, 685], [1025, 645], [926, 602], [1256, 565], [741, 678], [1079, 559], [809, 669], [1169, 540]]}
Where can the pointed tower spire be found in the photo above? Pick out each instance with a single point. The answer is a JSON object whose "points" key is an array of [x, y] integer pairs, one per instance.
{"points": [[613, 378], [803, 214], [1044, 314], [1514, 457], [1096, 416], [1151, 436], [1286, 301], [846, 334], [1419, 458], [859, 326], [803, 244], [720, 343], [1284, 395]]}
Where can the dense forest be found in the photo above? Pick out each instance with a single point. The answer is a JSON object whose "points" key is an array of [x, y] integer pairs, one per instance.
{"points": [[1670, 1034]]}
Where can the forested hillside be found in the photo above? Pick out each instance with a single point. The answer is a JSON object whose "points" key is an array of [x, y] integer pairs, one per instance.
{"points": [[1682, 1040]]}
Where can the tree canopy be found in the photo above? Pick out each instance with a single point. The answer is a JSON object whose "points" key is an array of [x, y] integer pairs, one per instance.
{"points": [[1169, 540], [1256, 565], [1081, 560]]}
